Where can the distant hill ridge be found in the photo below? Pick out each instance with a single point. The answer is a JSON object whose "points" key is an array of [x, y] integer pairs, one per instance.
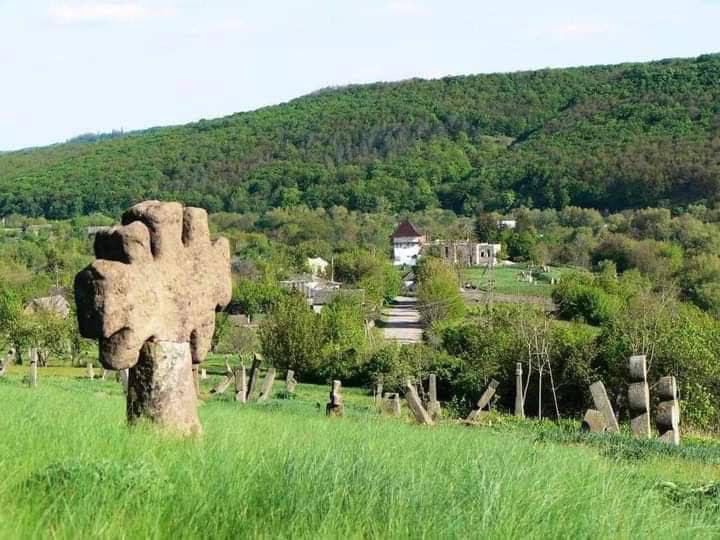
{"points": [[610, 137]]}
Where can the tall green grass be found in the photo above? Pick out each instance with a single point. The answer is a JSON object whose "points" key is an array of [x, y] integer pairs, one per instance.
{"points": [[70, 468]]}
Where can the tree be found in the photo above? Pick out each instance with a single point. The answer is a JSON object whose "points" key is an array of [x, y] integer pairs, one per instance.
{"points": [[438, 291]]}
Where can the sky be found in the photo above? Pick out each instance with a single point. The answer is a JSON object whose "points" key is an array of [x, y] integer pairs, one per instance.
{"points": [[79, 66]]}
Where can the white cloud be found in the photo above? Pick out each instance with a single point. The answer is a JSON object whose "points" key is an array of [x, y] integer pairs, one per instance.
{"points": [[104, 12], [228, 26], [408, 8]]}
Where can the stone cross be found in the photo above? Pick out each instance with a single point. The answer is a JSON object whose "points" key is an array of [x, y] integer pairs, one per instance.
{"points": [[33, 367], [335, 406], [240, 384], [639, 398], [391, 404], [290, 382], [483, 401], [667, 414], [433, 407], [266, 390], [150, 300], [519, 400], [602, 404], [415, 404]]}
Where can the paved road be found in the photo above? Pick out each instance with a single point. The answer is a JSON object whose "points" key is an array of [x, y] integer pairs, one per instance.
{"points": [[401, 321]]}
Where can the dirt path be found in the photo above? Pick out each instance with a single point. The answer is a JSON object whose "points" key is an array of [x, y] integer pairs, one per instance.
{"points": [[401, 321]]}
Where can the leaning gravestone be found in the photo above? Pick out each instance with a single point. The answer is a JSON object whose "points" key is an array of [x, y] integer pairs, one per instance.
{"points": [[602, 404], [240, 384], [415, 404], [335, 406], [667, 414], [267, 385], [639, 398], [594, 422], [290, 382], [483, 401], [150, 300], [254, 374]]}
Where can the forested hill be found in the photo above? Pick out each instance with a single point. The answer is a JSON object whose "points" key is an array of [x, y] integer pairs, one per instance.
{"points": [[609, 137]]}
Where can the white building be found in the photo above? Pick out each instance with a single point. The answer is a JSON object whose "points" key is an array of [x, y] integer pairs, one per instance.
{"points": [[318, 266], [407, 243], [507, 224]]}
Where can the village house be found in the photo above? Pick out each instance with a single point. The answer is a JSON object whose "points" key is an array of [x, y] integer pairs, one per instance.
{"points": [[407, 244], [466, 252]]}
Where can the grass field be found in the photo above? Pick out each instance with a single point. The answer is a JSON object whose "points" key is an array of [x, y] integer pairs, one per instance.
{"points": [[72, 469], [507, 280]]}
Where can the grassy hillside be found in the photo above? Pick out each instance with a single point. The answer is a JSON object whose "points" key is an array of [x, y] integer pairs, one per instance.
{"points": [[611, 137], [283, 470]]}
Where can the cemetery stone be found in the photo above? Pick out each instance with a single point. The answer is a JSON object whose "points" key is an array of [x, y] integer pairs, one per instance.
{"points": [[639, 398], [335, 406], [667, 414]]}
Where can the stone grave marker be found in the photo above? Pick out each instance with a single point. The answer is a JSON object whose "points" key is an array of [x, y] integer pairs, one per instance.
{"points": [[254, 374], [240, 384], [391, 404], [415, 404], [203, 374], [267, 386], [602, 404], [434, 409], [483, 402], [290, 382], [667, 414], [594, 422], [335, 406], [90, 369], [33, 367], [519, 400], [150, 300], [639, 398]]}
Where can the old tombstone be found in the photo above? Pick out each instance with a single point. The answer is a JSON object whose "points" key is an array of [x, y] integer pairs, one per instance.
{"points": [[433, 405], [104, 374], [483, 402], [150, 300], [290, 382], [639, 398], [203, 374], [391, 404], [378, 392], [267, 386], [519, 399], [254, 374], [335, 406], [90, 371], [594, 422], [415, 404], [667, 414], [33, 367], [223, 384], [602, 404], [240, 384]]}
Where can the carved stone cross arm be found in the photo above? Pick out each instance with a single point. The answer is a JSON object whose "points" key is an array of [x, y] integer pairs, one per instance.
{"points": [[159, 277]]}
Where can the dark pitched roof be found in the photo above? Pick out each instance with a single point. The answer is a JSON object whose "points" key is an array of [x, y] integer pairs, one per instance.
{"points": [[405, 229]]}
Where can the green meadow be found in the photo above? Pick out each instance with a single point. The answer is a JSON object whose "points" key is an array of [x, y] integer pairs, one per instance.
{"points": [[508, 280], [70, 468]]}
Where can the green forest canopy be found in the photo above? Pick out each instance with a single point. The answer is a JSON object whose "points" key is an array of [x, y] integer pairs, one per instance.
{"points": [[607, 137]]}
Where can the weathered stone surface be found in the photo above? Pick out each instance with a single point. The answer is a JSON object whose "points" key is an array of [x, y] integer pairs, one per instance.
{"points": [[33, 367], [415, 404], [267, 386], [594, 422], [519, 399], [240, 384], [335, 406], [391, 404], [434, 408], [483, 402], [254, 374], [639, 398], [161, 388], [638, 368], [90, 369], [667, 414], [157, 279], [602, 404], [290, 382]]}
